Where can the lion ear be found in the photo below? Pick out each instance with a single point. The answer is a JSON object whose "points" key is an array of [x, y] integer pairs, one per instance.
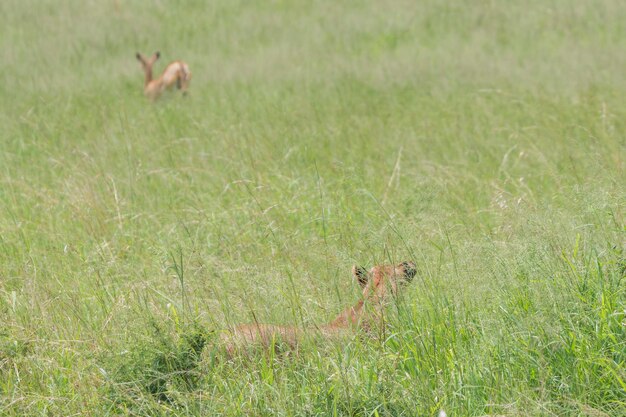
{"points": [[360, 274], [409, 269]]}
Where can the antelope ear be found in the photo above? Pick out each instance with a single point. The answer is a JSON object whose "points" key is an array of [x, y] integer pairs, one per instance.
{"points": [[138, 56], [157, 54], [360, 274]]}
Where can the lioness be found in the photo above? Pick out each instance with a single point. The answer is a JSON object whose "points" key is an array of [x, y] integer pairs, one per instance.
{"points": [[377, 284]]}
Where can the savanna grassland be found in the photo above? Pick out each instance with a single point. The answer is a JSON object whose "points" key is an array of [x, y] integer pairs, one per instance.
{"points": [[484, 141]]}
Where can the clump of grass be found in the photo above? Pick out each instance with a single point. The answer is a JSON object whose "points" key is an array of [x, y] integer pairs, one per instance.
{"points": [[161, 365]]}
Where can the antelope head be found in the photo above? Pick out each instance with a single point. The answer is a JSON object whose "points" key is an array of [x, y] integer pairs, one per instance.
{"points": [[147, 64]]}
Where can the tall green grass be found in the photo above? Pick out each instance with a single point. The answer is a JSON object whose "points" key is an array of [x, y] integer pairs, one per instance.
{"points": [[484, 141]]}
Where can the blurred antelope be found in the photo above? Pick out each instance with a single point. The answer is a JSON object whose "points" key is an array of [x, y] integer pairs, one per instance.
{"points": [[365, 314], [176, 72]]}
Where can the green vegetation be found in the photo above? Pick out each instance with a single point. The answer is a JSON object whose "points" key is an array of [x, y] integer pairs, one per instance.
{"points": [[485, 141]]}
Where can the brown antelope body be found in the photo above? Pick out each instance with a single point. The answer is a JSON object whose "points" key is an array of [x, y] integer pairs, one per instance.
{"points": [[376, 283], [176, 73]]}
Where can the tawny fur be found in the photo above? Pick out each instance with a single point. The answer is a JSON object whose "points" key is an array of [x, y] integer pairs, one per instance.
{"points": [[376, 284], [175, 73]]}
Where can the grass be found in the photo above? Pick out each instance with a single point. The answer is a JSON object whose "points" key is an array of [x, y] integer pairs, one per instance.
{"points": [[483, 141]]}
